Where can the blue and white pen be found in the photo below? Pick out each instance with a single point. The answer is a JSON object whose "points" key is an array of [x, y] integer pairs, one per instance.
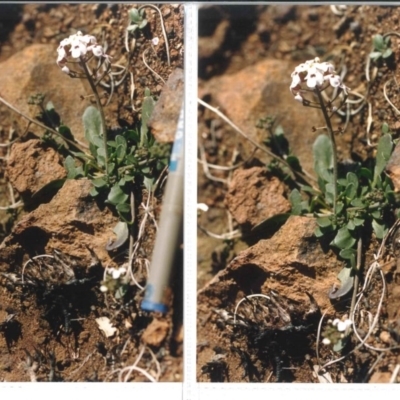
{"points": [[169, 231]]}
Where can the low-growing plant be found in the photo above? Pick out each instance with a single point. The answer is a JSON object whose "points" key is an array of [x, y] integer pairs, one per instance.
{"points": [[381, 48], [137, 19], [118, 160], [350, 201]]}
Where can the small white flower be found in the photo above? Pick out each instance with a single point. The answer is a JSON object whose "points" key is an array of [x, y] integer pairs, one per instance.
{"points": [[315, 74], [103, 288], [341, 326], [78, 46], [326, 341], [299, 98], [155, 41], [117, 273], [65, 69]]}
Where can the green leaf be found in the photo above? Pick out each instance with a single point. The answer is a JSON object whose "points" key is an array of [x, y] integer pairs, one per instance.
{"points": [[351, 226], [123, 208], [329, 192], [352, 178], [357, 202], [147, 108], [120, 151], [365, 173], [69, 165], [358, 221], [323, 158], [148, 183], [132, 28], [380, 229], [351, 191], [339, 207], [385, 128], [99, 182], [375, 55], [348, 254], [143, 24], [121, 291], [383, 152], [93, 192], [346, 279], [132, 135], [378, 42], [134, 15], [120, 140], [295, 200], [318, 232], [343, 239], [122, 233], [324, 222], [387, 53], [92, 126], [116, 195]]}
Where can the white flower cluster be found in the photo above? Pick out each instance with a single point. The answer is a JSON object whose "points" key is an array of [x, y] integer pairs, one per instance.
{"points": [[115, 273], [341, 326], [314, 74], [78, 46]]}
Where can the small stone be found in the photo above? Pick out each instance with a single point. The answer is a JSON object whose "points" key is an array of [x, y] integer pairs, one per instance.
{"points": [[155, 333], [164, 118], [385, 337]]}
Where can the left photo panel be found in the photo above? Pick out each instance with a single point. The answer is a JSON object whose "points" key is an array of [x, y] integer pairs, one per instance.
{"points": [[91, 192]]}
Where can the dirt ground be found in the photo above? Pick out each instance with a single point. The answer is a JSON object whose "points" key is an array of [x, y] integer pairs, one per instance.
{"points": [[48, 331], [246, 56]]}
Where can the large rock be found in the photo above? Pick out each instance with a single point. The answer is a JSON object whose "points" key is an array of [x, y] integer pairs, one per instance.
{"points": [[286, 268], [31, 166], [34, 70], [263, 90], [291, 263], [70, 223], [255, 196]]}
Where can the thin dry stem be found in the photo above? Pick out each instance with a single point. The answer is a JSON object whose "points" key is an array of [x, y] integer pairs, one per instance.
{"points": [[162, 28], [148, 66]]}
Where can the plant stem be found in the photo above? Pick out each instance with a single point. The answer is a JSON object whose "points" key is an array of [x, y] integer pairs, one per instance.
{"points": [[100, 107], [356, 279], [334, 151]]}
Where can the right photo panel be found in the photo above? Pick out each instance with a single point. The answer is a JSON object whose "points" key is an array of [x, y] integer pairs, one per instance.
{"points": [[298, 194]]}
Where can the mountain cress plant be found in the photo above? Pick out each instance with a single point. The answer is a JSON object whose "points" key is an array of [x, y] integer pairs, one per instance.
{"points": [[118, 161], [354, 198]]}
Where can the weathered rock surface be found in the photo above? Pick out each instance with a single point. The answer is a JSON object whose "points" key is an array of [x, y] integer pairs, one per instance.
{"points": [[164, 118], [34, 70], [32, 165], [290, 263], [254, 196], [263, 90], [70, 222]]}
